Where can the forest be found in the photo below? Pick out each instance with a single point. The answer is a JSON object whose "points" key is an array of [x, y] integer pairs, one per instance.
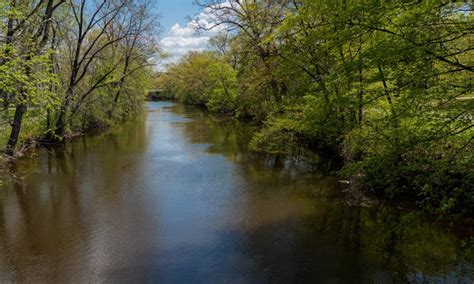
{"points": [[243, 141], [384, 86], [67, 67]]}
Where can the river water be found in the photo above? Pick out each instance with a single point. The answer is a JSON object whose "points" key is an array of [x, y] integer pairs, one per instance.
{"points": [[176, 197]]}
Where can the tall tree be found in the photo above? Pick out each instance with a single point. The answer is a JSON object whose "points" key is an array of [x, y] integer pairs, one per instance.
{"points": [[22, 36]]}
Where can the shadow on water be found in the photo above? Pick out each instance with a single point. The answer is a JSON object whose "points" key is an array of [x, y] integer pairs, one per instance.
{"points": [[177, 197]]}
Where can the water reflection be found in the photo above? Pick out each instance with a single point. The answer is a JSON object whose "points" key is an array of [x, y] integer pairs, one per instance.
{"points": [[177, 197]]}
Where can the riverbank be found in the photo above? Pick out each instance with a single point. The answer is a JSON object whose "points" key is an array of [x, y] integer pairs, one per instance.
{"points": [[41, 140], [370, 87], [356, 189], [177, 196], [350, 194]]}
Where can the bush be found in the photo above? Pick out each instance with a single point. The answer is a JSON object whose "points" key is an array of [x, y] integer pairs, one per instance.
{"points": [[435, 174]]}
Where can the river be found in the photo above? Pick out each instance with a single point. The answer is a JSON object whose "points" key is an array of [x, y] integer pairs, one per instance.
{"points": [[176, 197]]}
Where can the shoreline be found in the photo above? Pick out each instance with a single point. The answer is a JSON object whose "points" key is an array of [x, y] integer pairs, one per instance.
{"points": [[350, 196]]}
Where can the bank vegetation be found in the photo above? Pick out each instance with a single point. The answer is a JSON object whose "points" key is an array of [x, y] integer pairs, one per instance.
{"points": [[69, 66], [387, 86]]}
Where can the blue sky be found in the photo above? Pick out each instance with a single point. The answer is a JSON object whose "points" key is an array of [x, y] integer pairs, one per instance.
{"points": [[174, 12], [178, 33]]}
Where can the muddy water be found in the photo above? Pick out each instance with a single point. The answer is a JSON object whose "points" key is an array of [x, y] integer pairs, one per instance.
{"points": [[175, 197]]}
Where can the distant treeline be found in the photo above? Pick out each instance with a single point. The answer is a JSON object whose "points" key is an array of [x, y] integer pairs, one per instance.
{"points": [[387, 85]]}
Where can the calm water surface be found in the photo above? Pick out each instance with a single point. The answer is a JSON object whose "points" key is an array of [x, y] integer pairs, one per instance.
{"points": [[175, 197]]}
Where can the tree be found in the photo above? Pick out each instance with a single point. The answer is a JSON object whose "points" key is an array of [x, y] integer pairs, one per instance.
{"points": [[386, 86], [29, 48], [76, 50]]}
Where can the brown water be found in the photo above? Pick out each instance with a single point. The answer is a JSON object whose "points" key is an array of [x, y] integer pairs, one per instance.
{"points": [[175, 197]]}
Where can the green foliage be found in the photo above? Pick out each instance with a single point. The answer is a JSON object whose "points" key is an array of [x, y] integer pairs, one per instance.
{"points": [[31, 82], [436, 174], [203, 79], [279, 136], [33, 78], [387, 85], [62, 73]]}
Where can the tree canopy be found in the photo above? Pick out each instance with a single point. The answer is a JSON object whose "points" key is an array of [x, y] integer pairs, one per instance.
{"points": [[385, 85], [72, 65]]}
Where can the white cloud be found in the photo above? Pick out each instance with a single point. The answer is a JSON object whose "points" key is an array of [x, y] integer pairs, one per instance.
{"points": [[183, 39]]}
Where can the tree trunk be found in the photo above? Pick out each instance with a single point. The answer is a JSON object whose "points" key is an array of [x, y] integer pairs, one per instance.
{"points": [[389, 98], [21, 107], [116, 99], [61, 122], [360, 96], [16, 127], [275, 90]]}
